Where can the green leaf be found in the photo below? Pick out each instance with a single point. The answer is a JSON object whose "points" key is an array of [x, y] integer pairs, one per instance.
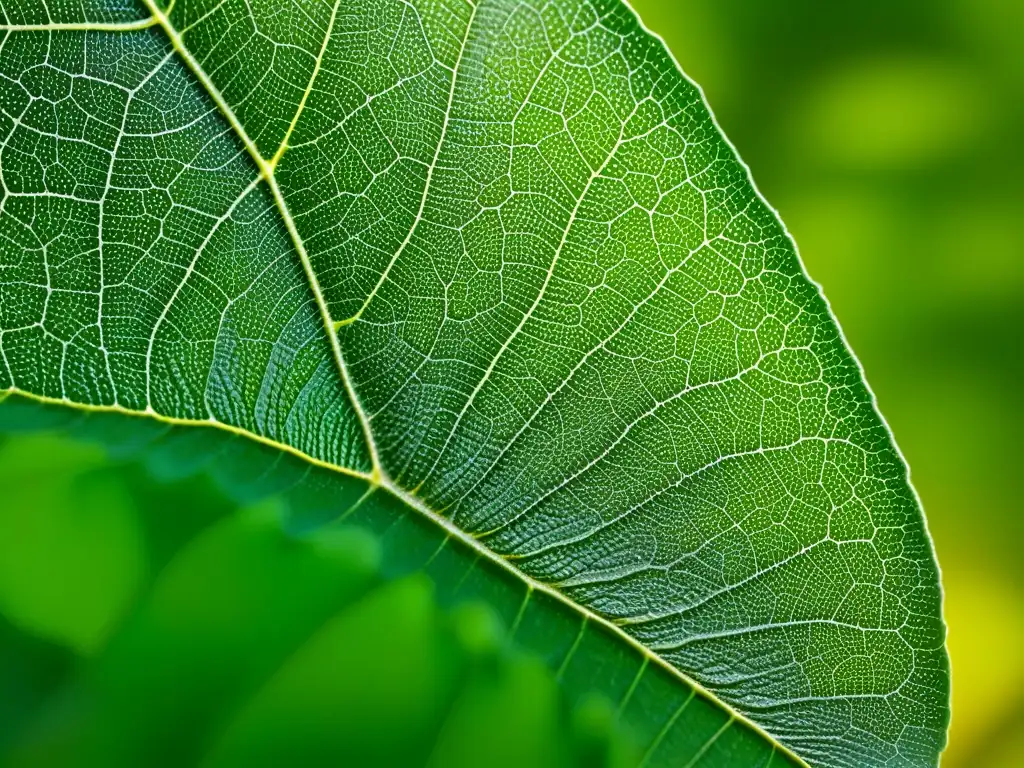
{"points": [[240, 651], [495, 276]]}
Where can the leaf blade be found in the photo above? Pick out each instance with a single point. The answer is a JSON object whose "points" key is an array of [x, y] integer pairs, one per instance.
{"points": [[670, 366]]}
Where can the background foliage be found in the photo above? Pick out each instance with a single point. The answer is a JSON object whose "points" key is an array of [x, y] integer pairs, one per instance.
{"points": [[886, 138]]}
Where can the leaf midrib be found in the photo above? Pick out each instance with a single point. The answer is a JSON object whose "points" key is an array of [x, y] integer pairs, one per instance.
{"points": [[377, 477]]}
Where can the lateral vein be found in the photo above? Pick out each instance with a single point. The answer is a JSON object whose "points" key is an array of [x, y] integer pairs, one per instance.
{"points": [[85, 26], [283, 147], [426, 186], [176, 421]]}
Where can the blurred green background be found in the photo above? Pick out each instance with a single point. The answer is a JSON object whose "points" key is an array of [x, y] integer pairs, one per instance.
{"points": [[147, 620], [888, 136]]}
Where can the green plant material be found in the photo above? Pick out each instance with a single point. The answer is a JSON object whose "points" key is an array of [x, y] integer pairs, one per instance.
{"points": [[240, 650], [494, 275], [65, 521]]}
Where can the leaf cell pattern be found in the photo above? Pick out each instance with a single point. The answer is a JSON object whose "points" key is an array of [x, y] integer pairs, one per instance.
{"points": [[498, 260]]}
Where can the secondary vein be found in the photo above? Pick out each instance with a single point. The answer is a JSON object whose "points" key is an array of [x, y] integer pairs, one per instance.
{"points": [[426, 186], [85, 26], [283, 147]]}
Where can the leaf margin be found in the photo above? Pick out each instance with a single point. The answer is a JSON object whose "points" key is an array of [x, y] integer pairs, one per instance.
{"points": [[378, 478]]}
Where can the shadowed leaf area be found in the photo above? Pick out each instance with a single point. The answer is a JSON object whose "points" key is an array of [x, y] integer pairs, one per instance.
{"points": [[485, 293]]}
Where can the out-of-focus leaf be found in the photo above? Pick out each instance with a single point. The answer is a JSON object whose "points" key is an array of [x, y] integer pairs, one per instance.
{"points": [[71, 550], [31, 671], [383, 711], [254, 646]]}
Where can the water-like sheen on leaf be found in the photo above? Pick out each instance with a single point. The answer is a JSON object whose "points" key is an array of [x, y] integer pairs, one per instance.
{"points": [[496, 264]]}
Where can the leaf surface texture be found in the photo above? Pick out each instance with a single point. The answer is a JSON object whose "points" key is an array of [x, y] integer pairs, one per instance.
{"points": [[494, 265]]}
